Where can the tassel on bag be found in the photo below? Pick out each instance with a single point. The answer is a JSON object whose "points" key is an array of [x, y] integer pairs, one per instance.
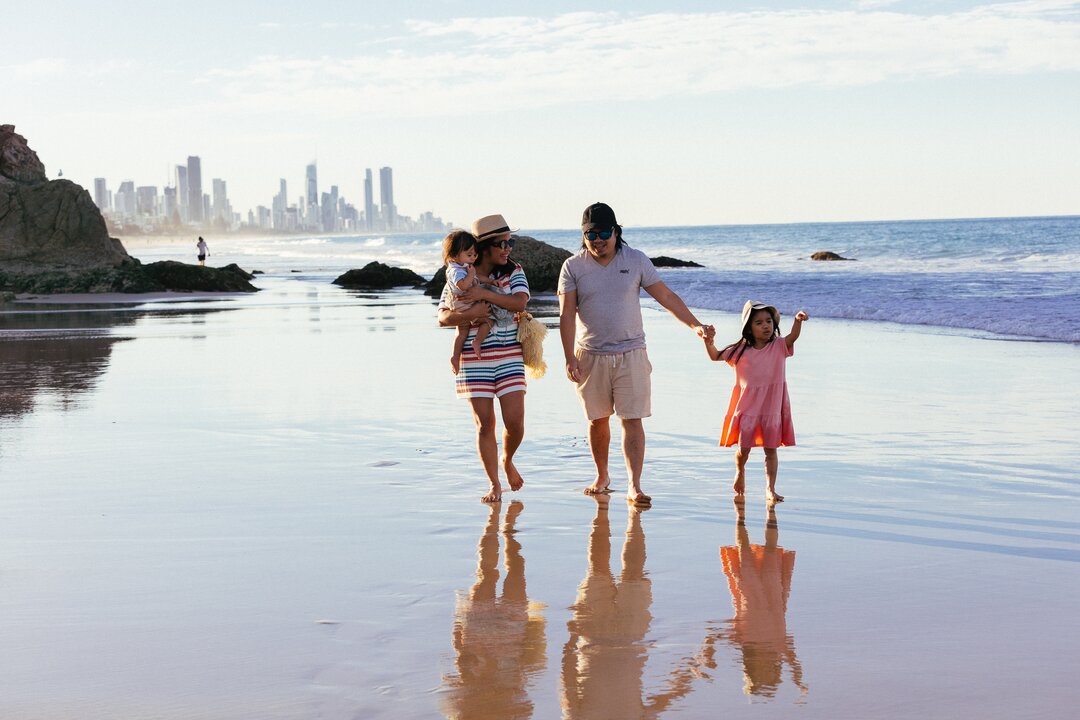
{"points": [[531, 334]]}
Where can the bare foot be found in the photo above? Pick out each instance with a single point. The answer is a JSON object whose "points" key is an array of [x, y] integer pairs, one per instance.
{"points": [[599, 487], [476, 343], [455, 363], [740, 484], [638, 498], [513, 477], [494, 496], [773, 497]]}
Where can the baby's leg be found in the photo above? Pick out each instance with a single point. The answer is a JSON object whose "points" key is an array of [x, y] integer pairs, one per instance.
{"points": [[482, 330], [741, 456], [771, 463], [459, 347]]}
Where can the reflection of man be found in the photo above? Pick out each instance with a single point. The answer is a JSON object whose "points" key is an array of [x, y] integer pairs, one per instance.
{"points": [[604, 659], [759, 577], [499, 641], [600, 287]]}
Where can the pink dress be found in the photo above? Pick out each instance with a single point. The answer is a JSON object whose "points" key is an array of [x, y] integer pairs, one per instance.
{"points": [[759, 414]]}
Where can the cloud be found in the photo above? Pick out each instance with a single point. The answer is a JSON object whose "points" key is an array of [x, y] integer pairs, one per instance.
{"points": [[524, 62]]}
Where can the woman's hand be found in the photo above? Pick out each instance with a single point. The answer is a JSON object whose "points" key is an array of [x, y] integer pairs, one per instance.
{"points": [[475, 294], [801, 316]]}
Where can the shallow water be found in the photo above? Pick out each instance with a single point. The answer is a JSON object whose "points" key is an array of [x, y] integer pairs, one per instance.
{"points": [[267, 508]]}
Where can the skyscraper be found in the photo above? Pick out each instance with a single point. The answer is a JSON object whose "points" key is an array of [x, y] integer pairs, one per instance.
{"points": [[281, 204], [195, 193], [182, 191], [220, 202], [386, 196], [312, 215], [101, 195], [369, 201]]}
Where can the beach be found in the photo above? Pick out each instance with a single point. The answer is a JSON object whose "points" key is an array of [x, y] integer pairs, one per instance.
{"points": [[268, 507]]}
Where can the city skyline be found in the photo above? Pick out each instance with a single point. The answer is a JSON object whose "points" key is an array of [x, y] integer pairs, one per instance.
{"points": [[675, 112], [312, 211]]}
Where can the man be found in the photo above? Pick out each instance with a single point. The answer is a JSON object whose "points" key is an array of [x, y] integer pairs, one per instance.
{"points": [[600, 286]]}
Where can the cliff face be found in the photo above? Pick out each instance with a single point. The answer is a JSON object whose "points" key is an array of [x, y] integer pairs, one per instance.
{"points": [[47, 224]]}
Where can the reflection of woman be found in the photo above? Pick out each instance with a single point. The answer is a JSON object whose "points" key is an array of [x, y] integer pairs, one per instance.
{"points": [[759, 577], [499, 370], [604, 659], [499, 641]]}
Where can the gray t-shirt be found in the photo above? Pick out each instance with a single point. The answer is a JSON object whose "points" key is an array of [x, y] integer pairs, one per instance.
{"points": [[609, 298]]}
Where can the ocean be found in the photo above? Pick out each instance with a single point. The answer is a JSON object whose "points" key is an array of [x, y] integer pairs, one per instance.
{"points": [[1003, 277]]}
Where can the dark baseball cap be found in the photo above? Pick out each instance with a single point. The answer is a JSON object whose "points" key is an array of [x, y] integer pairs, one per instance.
{"points": [[598, 215]]}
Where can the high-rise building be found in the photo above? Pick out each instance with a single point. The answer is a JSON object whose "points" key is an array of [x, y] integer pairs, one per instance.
{"points": [[101, 195], [146, 200], [312, 214], [182, 191], [386, 197], [125, 199], [281, 204], [220, 206], [169, 209], [195, 193], [369, 201]]}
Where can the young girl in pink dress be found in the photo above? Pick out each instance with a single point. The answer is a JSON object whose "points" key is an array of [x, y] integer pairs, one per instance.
{"points": [[759, 414]]}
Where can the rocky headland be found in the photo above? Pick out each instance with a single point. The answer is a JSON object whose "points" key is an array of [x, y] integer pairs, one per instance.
{"points": [[53, 238]]}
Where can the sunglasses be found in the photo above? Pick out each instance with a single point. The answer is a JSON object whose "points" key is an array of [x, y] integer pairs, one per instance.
{"points": [[503, 244], [602, 234]]}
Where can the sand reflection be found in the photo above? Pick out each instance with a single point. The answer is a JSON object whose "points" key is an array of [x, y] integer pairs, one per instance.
{"points": [[498, 638], [604, 659], [759, 577]]}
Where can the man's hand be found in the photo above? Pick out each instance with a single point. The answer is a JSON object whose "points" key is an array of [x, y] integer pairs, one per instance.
{"points": [[573, 370]]}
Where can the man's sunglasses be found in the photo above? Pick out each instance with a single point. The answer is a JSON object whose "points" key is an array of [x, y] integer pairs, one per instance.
{"points": [[594, 234]]}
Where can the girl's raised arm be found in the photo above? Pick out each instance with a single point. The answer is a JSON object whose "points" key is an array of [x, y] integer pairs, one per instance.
{"points": [[796, 329]]}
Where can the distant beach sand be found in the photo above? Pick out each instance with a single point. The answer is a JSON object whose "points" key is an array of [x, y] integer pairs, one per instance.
{"points": [[266, 506]]}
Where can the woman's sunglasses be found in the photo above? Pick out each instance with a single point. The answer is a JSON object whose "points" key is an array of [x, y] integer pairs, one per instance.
{"points": [[594, 234], [504, 244]]}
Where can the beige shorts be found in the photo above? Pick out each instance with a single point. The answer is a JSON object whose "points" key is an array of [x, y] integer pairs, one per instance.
{"points": [[618, 384]]}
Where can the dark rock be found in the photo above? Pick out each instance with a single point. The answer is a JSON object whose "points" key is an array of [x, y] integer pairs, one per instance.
{"points": [[378, 276], [670, 262], [47, 224], [237, 270], [540, 261], [172, 275], [828, 255], [17, 161], [129, 277]]}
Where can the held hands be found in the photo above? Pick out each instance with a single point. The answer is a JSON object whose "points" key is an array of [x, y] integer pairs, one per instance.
{"points": [[801, 315], [706, 332]]}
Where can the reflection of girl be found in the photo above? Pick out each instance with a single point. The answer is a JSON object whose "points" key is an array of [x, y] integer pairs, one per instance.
{"points": [[759, 578], [499, 641]]}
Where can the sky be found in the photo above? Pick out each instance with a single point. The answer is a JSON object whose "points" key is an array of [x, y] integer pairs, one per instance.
{"points": [[675, 112]]}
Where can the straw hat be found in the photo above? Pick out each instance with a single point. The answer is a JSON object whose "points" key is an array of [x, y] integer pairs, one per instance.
{"points": [[490, 226], [752, 305]]}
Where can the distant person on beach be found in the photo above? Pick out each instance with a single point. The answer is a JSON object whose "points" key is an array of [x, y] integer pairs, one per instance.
{"points": [[759, 414], [459, 254], [499, 370], [600, 288], [203, 250]]}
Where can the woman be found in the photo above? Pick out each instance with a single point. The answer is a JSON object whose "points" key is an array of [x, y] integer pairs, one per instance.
{"points": [[498, 371]]}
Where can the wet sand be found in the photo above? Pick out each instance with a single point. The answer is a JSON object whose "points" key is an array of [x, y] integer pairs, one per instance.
{"points": [[267, 507]]}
